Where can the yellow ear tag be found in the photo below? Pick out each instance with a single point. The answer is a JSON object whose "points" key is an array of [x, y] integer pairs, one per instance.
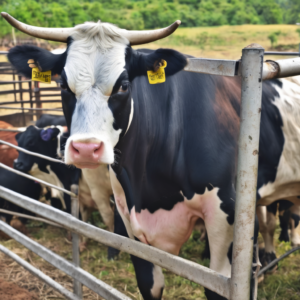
{"points": [[159, 76], [37, 75]]}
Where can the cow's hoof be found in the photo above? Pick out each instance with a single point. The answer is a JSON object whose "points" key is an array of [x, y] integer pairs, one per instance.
{"points": [[112, 253], [268, 258], [18, 225], [284, 237]]}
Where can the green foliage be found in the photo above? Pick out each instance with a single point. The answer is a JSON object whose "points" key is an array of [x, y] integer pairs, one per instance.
{"points": [[273, 37], [148, 14]]}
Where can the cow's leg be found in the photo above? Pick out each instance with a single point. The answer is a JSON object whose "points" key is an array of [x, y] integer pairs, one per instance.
{"points": [[294, 222], [103, 204], [149, 277], [268, 234], [284, 217], [218, 218], [119, 229]]}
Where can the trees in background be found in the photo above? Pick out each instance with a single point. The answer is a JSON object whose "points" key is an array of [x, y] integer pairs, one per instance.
{"points": [[145, 14]]}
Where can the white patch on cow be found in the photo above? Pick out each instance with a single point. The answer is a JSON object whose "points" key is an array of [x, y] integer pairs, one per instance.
{"points": [[92, 121], [295, 239], [121, 203], [50, 178], [98, 182], [96, 58], [130, 116], [169, 230], [159, 282], [287, 179]]}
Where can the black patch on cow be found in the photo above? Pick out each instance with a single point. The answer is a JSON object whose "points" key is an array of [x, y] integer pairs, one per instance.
{"points": [[272, 208], [229, 253], [284, 220], [120, 103], [19, 56], [296, 219], [285, 205], [271, 140], [48, 120]]}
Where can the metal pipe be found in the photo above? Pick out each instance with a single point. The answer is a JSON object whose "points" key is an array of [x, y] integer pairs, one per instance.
{"points": [[28, 108], [281, 68], [282, 53], [31, 153], [13, 130], [182, 267], [77, 287], [14, 213], [36, 272], [252, 61], [96, 285], [36, 179]]}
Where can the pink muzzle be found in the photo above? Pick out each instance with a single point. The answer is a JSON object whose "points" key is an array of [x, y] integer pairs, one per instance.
{"points": [[86, 155]]}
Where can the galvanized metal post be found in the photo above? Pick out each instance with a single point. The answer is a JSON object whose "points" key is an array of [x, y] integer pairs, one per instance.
{"points": [[77, 286], [252, 62]]}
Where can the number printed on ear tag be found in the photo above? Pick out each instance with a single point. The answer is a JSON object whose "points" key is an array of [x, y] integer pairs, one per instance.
{"points": [[37, 75], [158, 76]]}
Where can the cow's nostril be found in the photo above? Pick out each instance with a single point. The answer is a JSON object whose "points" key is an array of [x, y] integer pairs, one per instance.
{"points": [[74, 148], [97, 150]]}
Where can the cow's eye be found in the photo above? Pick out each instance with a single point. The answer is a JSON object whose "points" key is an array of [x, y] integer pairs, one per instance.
{"points": [[123, 88]]}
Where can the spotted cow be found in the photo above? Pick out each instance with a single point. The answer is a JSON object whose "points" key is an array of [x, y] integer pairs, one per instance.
{"points": [[172, 147]]}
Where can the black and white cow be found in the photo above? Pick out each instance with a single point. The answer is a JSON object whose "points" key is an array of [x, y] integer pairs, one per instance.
{"points": [[172, 146]]}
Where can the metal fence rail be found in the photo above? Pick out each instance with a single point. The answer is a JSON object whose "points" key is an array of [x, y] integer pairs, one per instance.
{"points": [[79, 274], [178, 265], [39, 274]]}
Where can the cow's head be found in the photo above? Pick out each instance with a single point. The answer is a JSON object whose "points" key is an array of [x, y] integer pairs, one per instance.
{"points": [[43, 141], [97, 71]]}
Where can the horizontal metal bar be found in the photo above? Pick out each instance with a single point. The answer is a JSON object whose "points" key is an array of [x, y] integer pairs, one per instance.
{"points": [[29, 102], [16, 91], [282, 53], [14, 213], [16, 81], [36, 272], [36, 179], [31, 153], [29, 108], [12, 129], [212, 66], [96, 285], [281, 68], [182, 267], [3, 52]]}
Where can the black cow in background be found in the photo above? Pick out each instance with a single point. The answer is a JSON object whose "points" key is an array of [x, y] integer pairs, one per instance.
{"points": [[21, 185]]}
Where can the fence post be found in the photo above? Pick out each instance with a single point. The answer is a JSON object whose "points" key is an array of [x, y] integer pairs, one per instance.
{"points": [[37, 95], [77, 286], [241, 272]]}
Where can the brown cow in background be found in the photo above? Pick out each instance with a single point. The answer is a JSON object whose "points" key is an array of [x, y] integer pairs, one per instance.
{"points": [[8, 154]]}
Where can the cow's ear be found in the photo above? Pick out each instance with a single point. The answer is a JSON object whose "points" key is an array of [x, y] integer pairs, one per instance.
{"points": [[175, 61], [49, 134], [20, 55]]}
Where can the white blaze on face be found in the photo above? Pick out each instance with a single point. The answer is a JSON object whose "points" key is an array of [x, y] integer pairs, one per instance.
{"points": [[96, 59]]}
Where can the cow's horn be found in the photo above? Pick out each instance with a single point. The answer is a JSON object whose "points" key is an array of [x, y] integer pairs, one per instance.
{"points": [[147, 36], [52, 34]]}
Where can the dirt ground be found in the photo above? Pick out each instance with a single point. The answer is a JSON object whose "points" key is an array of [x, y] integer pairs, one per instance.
{"points": [[11, 291]]}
